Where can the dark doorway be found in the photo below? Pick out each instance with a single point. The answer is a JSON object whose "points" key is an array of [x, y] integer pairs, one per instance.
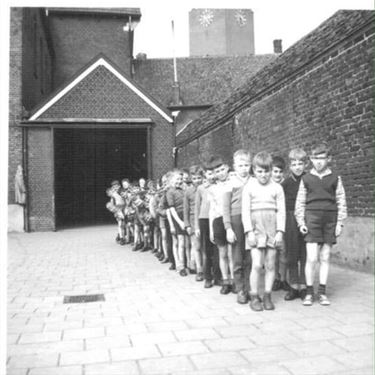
{"points": [[86, 161]]}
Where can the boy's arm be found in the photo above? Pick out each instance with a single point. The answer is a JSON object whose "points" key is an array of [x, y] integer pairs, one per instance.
{"points": [[174, 214], [300, 207], [227, 198], [341, 202], [246, 210], [197, 206], [170, 221], [280, 214]]}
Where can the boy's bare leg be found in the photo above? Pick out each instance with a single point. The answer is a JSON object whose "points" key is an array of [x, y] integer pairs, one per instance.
{"points": [[230, 261], [187, 250], [164, 242], [324, 263], [223, 262], [269, 263], [181, 251], [311, 260], [257, 263], [195, 249], [175, 250]]}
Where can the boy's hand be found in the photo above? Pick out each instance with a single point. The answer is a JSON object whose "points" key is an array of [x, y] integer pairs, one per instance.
{"points": [[212, 238], [198, 233], [303, 229], [188, 230], [279, 240], [251, 239], [182, 225], [338, 229], [173, 230], [231, 236]]}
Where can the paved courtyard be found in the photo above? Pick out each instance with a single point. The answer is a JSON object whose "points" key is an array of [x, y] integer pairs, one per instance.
{"points": [[155, 322]]}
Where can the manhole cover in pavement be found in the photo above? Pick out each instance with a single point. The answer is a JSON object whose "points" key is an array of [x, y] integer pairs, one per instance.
{"points": [[84, 298]]}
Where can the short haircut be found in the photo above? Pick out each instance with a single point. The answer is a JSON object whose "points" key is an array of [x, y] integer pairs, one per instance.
{"points": [[216, 162], [320, 148], [242, 153], [115, 182], [278, 162], [210, 163], [125, 180], [196, 170], [297, 154], [184, 170], [263, 160]]}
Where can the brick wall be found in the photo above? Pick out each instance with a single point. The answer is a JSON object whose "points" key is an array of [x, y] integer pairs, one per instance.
{"points": [[77, 39], [102, 95], [320, 89], [37, 58], [41, 179], [15, 101], [331, 99]]}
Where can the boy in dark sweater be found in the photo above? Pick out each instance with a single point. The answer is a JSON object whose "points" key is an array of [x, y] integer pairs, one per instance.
{"points": [[320, 212], [294, 243]]}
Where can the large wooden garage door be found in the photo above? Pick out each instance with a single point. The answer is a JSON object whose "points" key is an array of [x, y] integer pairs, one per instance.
{"points": [[86, 161]]}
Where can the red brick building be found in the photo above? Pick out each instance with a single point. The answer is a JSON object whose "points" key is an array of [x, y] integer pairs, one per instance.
{"points": [[84, 112]]}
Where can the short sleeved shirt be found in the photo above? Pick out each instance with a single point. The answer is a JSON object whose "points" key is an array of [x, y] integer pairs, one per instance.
{"points": [[175, 198]]}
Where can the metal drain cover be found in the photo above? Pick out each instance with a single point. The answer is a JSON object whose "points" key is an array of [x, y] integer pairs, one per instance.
{"points": [[84, 298]]}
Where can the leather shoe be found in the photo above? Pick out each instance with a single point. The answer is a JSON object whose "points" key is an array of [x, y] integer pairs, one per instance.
{"points": [[255, 303], [208, 284], [225, 289], [292, 294], [267, 303], [242, 297], [199, 276]]}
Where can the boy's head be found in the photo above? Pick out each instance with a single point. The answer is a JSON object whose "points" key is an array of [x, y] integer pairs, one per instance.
{"points": [[220, 168], [176, 178], [262, 165], [297, 161], [242, 162], [125, 183], [109, 192], [320, 157], [278, 168], [209, 174], [196, 174], [115, 185], [142, 182], [185, 176]]}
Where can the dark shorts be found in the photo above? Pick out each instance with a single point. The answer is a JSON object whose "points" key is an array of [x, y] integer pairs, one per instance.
{"points": [[177, 226], [321, 226], [220, 234]]}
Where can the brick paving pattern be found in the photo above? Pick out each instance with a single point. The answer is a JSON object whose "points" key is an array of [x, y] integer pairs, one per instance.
{"points": [[155, 322]]}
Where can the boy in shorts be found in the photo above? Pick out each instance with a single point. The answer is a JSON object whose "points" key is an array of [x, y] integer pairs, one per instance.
{"points": [[277, 175], [217, 229], [196, 174], [232, 202], [263, 218], [175, 214], [320, 213]]}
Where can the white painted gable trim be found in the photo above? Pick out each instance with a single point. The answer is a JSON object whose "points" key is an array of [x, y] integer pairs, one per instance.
{"points": [[84, 74]]}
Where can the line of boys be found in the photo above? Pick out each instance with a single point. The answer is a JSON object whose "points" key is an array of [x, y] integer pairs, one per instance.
{"points": [[226, 227]]}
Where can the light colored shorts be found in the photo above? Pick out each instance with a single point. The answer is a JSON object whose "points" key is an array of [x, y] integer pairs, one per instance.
{"points": [[264, 224]]}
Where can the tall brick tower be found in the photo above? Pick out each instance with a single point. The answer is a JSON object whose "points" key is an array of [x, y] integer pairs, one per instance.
{"points": [[218, 32]]}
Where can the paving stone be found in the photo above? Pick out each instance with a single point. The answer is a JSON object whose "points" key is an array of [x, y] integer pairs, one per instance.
{"points": [[152, 338], [356, 360], [182, 348], [354, 344], [65, 370], [311, 349], [229, 344], [317, 334], [28, 338], [218, 360], [107, 342], [17, 371], [165, 365], [47, 347], [84, 357], [83, 333], [350, 330], [207, 322], [268, 354], [126, 329], [166, 326], [264, 369], [33, 360], [312, 366], [196, 334], [236, 330], [137, 352], [118, 368]]}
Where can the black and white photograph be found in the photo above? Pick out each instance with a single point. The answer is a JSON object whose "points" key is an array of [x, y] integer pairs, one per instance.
{"points": [[187, 187]]}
